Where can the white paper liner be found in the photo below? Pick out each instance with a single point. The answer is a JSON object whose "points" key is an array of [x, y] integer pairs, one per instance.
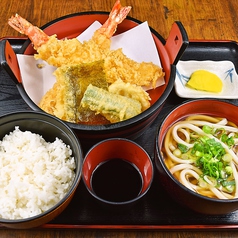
{"points": [[137, 44]]}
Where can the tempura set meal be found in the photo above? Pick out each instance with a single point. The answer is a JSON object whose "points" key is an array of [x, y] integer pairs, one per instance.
{"points": [[94, 84], [202, 153]]}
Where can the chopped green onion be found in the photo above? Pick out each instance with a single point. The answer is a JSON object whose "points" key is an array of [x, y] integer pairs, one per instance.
{"points": [[211, 158], [230, 141], [230, 188], [224, 138], [207, 129], [227, 158], [177, 153], [218, 132], [228, 170], [228, 183], [183, 148]]}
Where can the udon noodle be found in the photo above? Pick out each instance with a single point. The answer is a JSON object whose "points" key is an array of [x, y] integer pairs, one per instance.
{"points": [[202, 153]]}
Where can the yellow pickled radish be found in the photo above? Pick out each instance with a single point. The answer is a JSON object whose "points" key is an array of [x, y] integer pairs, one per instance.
{"points": [[205, 81]]}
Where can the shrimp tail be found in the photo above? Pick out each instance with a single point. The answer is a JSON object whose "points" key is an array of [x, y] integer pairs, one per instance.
{"points": [[36, 35], [116, 16]]}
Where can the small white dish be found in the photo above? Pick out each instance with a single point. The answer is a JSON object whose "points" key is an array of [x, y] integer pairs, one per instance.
{"points": [[225, 70]]}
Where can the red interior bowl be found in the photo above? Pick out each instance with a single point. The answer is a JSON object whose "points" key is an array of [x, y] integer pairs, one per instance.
{"points": [[179, 192], [72, 25], [121, 149]]}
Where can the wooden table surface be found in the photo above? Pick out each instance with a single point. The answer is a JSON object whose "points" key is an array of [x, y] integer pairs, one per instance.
{"points": [[202, 19]]}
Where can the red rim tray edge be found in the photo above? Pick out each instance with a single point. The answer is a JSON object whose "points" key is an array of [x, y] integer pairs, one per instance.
{"points": [[156, 211]]}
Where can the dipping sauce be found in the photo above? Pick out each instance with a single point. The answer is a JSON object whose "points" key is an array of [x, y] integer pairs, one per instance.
{"points": [[116, 180]]}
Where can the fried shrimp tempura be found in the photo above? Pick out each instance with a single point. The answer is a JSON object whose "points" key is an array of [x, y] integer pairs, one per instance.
{"points": [[117, 65], [71, 51]]}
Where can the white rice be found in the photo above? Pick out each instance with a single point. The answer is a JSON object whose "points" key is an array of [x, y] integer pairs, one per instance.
{"points": [[34, 174]]}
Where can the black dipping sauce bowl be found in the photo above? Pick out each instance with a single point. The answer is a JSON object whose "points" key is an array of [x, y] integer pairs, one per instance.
{"points": [[117, 172]]}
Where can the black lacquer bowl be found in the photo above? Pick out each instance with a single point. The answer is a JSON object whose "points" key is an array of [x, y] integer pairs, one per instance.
{"points": [[49, 128], [180, 193]]}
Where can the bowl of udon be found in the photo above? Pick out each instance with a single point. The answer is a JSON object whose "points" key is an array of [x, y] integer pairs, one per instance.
{"points": [[196, 155], [41, 166], [114, 119]]}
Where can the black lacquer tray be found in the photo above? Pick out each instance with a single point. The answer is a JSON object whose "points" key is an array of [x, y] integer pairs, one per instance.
{"points": [[156, 210]]}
